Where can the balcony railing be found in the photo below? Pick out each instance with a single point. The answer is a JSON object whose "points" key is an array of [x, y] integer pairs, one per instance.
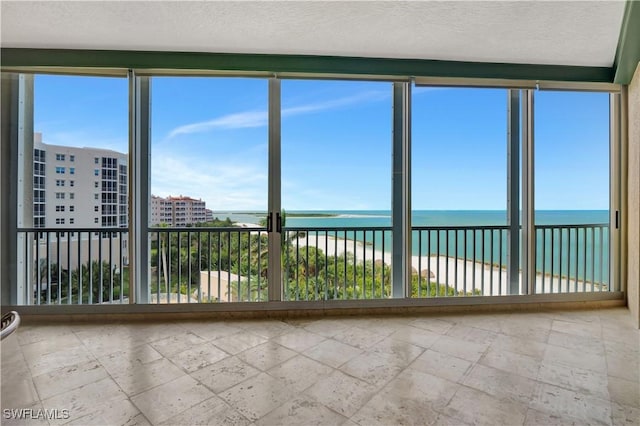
{"points": [[75, 266], [336, 263], [572, 258], [460, 261], [230, 264], [196, 265]]}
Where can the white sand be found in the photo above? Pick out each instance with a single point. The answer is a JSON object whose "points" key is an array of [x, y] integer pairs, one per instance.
{"points": [[462, 275], [246, 225], [458, 273]]}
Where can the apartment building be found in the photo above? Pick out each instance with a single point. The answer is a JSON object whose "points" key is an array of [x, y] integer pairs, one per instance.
{"points": [[78, 187], [178, 211]]}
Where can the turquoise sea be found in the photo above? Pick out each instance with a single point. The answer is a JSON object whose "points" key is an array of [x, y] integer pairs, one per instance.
{"points": [[576, 252]]}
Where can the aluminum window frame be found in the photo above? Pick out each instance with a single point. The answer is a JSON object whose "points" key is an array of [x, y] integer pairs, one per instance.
{"points": [[138, 127]]}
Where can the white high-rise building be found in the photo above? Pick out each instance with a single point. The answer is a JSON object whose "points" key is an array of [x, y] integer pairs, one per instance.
{"points": [[78, 187]]}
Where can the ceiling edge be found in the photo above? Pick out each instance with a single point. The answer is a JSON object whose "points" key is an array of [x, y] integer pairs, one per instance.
{"points": [[628, 50], [18, 57]]}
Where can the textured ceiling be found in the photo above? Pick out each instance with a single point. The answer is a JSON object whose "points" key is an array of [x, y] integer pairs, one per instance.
{"points": [[561, 33]]}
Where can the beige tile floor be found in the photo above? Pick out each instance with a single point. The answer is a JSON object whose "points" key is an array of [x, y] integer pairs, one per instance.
{"points": [[559, 367]]}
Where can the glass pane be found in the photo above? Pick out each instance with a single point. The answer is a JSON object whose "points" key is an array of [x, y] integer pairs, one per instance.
{"points": [[336, 189], [458, 189], [572, 191], [209, 183], [80, 181]]}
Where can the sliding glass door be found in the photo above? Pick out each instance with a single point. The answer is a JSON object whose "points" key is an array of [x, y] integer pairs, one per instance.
{"points": [[459, 192], [282, 189], [572, 194], [209, 189], [336, 189]]}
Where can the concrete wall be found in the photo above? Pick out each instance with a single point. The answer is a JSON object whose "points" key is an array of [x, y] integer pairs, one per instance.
{"points": [[633, 268]]}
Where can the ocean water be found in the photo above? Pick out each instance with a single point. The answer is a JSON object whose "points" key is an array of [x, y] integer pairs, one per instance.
{"points": [[365, 218], [571, 252]]}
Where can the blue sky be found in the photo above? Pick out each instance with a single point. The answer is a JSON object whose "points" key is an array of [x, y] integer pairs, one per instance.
{"points": [[209, 141]]}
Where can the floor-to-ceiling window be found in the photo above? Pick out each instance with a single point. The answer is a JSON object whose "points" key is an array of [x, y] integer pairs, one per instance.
{"points": [[212, 143], [336, 189], [572, 193], [459, 191], [73, 182], [209, 189]]}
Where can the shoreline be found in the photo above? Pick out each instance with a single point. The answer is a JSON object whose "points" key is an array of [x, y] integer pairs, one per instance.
{"points": [[470, 274], [449, 266]]}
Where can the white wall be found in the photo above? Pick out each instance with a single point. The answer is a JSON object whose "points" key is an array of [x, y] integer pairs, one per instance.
{"points": [[633, 268]]}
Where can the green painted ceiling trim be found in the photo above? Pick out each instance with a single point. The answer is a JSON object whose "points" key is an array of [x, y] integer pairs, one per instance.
{"points": [[299, 63], [628, 51]]}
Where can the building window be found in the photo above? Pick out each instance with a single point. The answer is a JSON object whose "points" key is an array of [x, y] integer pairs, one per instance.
{"points": [[38, 155], [72, 208], [72, 158], [96, 196], [59, 182], [96, 160], [96, 172], [95, 208], [95, 220], [72, 195], [59, 208], [72, 170], [39, 196], [60, 170], [60, 157], [60, 195], [38, 169], [72, 221], [59, 221], [72, 183]]}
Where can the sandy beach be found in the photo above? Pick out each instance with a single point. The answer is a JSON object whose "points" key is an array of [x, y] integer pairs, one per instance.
{"points": [[463, 275], [457, 273]]}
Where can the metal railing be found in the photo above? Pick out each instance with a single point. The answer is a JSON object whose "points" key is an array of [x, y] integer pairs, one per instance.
{"points": [[572, 258], [459, 261], [324, 263], [205, 265], [74, 266], [229, 264]]}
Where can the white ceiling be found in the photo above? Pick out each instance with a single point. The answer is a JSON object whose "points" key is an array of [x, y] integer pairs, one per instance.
{"points": [[562, 33]]}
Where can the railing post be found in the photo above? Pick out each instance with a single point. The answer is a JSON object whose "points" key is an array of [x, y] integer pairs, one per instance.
{"points": [[139, 176], [528, 208], [401, 187], [513, 191], [274, 271]]}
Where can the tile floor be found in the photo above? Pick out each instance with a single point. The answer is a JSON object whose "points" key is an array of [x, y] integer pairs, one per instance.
{"points": [[560, 367]]}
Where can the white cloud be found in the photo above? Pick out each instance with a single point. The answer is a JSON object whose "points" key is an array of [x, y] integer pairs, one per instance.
{"points": [[232, 121], [249, 119], [370, 96], [224, 185], [426, 89]]}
